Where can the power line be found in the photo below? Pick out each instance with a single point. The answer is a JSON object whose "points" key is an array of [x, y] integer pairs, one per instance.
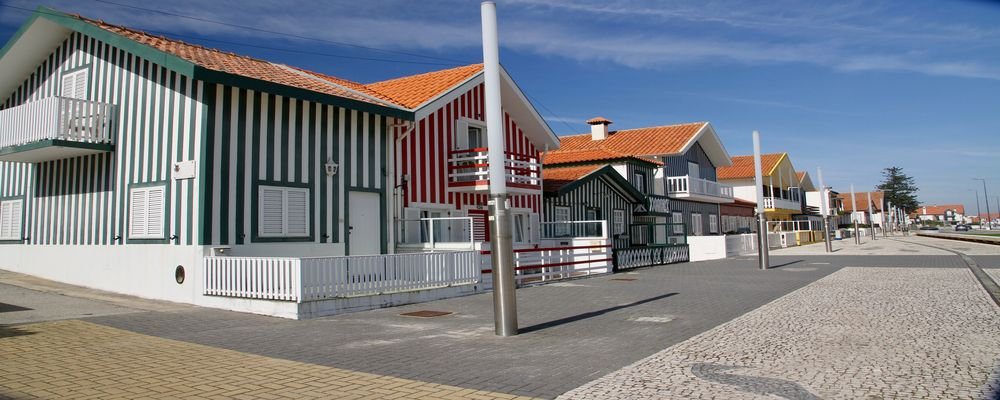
{"points": [[534, 100], [251, 28]]}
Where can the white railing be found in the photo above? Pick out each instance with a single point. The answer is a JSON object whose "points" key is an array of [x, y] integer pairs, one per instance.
{"points": [[687, 185], [470, 168], [635, 257], [444, 233], [575, 229], [792, 226], [777, 202], [57, 118], [555, 263], [317, 278]]}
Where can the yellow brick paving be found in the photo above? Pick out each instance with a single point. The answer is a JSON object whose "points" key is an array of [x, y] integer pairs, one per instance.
{"points": [[80, 360]]}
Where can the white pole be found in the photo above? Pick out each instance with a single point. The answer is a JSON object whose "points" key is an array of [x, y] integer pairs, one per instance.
{"points": [[762, 253], [854, 216], [504, 296], [824, 209], [871, 216]]}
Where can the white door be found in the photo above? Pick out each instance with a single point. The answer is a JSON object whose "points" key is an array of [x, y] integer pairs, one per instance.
{"points": [[366, 222]]}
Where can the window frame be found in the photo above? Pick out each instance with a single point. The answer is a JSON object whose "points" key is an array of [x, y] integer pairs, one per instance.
{"points": [[697, 229], [19, 235], [560, 230], [677, 217], [260, 235], [713, 223], [639, 183], [618, 224], [165, 224], [82, 71]]}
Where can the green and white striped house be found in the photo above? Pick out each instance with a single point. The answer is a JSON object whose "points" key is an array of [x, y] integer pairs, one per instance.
{"points": [[125, 155]]}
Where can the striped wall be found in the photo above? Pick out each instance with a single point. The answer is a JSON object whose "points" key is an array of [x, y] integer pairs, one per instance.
{"points": [[423, 154], [254, 137], [83, 200], [630, 169], [596, 193], [678, 165]]}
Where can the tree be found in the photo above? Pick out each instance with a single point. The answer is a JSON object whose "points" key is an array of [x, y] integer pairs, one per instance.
{"points": [[899, 189]]}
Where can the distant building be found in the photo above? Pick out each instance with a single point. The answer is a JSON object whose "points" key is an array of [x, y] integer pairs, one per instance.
{"points": [[946, 213]]}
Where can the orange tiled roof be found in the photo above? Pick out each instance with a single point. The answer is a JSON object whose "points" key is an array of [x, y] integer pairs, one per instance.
{"points": [[235, 64], [412, 91], [743, 168], [555, 178], [862, 199], [556, 157], [940, 209], [657, 140], [799, 175]]}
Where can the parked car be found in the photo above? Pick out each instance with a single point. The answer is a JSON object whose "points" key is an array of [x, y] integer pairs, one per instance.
{"points": [[928, 228], [962, 228]]}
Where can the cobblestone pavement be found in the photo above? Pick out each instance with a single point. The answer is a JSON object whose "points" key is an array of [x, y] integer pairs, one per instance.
{"points": [[913, 333], [76, 359]]}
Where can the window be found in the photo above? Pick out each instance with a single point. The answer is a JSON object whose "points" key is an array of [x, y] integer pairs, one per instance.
{"points": [[283, 212], [677, 218], [10, 219], [639, 181], [618, 221], [713, 223], [432, 225], [693, 171], [469, 134], [592, 228], [561, 217], [519, 225], [74, 84], [696, 224], [146, 212]]}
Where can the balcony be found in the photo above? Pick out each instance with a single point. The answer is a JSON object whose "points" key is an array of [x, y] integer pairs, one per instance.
{"points": [[655, 205], [773, 203], [685, 187], [55, 127], [468, 171]]}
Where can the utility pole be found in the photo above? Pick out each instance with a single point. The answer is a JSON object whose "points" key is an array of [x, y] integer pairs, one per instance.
{"points": [[854, 216], [504, 290], [763, 257], [824, 209], [989, 222]]}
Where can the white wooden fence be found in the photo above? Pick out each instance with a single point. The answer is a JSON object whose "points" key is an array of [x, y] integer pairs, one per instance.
{"points": [[317, 278], [554, 263], [57, 118]]}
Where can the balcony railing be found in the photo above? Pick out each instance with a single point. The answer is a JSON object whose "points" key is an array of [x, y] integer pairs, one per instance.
{"points": [[772, 203], [468, 171], [55, 121], [699, 189]]}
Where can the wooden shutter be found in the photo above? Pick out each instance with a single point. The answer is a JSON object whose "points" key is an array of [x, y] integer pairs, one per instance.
{"points": [[297, 212], [461, 135], [74, 85], [10, 219], [411, 225], [270, 221], [137, 213], [155, 211]]}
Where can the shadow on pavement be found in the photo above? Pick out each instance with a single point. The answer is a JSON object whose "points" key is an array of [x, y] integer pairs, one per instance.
{"points": [[591, 314], [785, 264], [7, 331]]}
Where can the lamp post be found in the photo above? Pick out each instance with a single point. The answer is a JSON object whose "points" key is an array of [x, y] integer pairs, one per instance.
{"points": [[854, 216], [763, 258], [824, 209], [989, 222]]}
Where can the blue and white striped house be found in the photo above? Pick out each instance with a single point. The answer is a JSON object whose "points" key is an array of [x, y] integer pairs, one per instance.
{"points": [[125, 155]]}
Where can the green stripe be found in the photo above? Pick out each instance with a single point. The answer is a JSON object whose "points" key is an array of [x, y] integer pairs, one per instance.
{"points": [[224, 181], [283, 136], [271, 140], [207, 161], [299, 128], [178, 83], [324, 236], [241, 144], [373, 142], [335, 201], [194, 133], [312, 165], [348, 134], [255, 156], [167, 128]]}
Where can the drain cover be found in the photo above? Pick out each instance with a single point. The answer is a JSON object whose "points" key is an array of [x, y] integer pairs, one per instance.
{"points": [[426, 313], [623, 279]]}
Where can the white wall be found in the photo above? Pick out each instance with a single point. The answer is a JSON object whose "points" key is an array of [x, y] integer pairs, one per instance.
{"points": [[748, 193], [707, 247]]}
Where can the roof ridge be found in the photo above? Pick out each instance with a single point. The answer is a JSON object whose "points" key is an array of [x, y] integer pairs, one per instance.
{"points": [[399, 78]]}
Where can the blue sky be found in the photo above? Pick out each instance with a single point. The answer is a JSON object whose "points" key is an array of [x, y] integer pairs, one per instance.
{"points": [[851, 87]]}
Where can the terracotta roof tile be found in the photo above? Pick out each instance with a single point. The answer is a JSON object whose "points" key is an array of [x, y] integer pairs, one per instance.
{"points": [[862, 199], [940, 209], [235, 64], [556, 157], [412, 91], [652, 141], [555, 178], [598, 120], [743, 168]]}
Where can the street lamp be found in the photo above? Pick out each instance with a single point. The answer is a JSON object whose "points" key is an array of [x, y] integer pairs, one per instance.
{"points": [[989, 222]]}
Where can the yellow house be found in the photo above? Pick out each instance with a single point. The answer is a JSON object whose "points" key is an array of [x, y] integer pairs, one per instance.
{"points": [[784, 194]]}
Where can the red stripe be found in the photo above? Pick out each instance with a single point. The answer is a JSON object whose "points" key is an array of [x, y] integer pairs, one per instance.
{"points": [[423, 165], [601, 246]]}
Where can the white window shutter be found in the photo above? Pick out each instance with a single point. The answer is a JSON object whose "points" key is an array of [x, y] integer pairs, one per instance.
{"points": [[80, 90], [297, 212], [270, 221], [154, 212], [411, 225], [68, 87], [17, 208], [535, 229], [137, 213], [461, 135], [6, 220]]}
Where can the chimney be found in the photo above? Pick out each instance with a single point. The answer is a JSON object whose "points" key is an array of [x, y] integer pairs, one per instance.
{"points": [[599, 128]]}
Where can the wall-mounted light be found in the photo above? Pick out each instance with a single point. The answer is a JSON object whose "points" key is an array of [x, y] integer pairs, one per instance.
{"points": [[331, 167]]}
